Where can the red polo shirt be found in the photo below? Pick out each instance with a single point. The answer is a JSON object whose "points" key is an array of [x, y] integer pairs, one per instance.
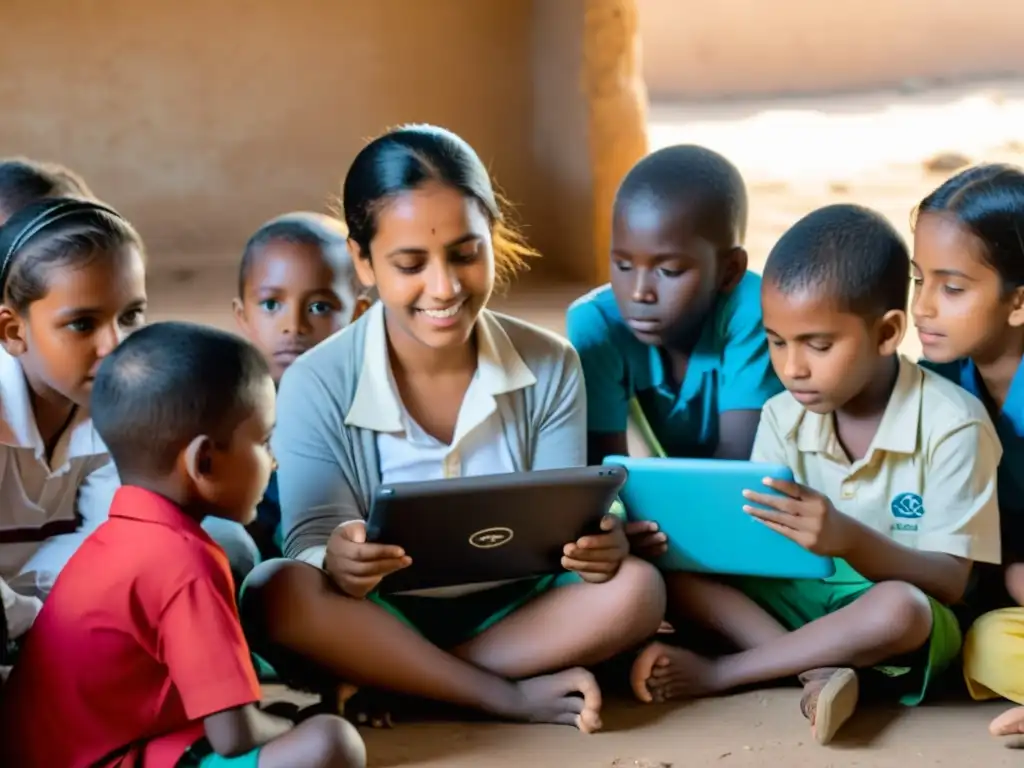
{"points": [[137, 643]]}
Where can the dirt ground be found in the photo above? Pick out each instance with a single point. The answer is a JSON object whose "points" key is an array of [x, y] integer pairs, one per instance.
{"points": [[885, 150]]}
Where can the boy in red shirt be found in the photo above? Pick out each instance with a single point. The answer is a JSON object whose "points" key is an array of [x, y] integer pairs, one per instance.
{"points": [[138, 657]]}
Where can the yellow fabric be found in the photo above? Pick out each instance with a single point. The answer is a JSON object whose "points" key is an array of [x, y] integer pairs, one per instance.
{"points": [[994, 656]]}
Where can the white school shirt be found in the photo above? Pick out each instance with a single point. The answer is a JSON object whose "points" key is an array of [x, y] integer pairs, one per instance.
{"points": [[406, 452], [46, 509], [928, 479]]}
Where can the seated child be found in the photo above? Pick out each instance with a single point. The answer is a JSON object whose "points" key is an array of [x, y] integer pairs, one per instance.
{"points": [[72, 284], [895, 478], [137, 657], [675, 341], [296, 287], [969, 310], [24, 181]]}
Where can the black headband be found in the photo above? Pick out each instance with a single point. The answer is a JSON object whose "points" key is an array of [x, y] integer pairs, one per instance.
{"points": [[33, 219]]}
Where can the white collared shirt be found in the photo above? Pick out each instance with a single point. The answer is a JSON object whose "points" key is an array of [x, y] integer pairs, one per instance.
{"points": [[46, 508], [407, 453]]}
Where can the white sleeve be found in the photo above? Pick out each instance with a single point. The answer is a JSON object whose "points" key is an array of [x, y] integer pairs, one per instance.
{"points": [[961, 499], [92, 503], [21, 610]]}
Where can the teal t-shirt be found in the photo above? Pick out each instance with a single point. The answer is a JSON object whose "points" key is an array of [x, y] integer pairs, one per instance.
{"points": [[729, 370]]}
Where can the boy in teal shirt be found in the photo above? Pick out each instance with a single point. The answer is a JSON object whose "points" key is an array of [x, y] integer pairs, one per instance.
{"points": [[675, 340], [676, 336]]}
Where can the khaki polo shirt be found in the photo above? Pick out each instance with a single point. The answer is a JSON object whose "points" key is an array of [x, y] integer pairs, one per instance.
{"points": [[928, 479]]}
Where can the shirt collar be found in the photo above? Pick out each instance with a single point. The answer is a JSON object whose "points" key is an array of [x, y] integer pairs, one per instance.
{"points": [[1012, 412], [701, 359], [134, 503], [897, 431], [376, 405], [18, 424]]}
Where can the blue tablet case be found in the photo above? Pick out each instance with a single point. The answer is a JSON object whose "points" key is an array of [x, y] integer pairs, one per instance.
{"points": [[698, 503]]}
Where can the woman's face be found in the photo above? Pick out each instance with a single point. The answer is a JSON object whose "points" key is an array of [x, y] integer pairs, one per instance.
{"points": [[432, 262]]}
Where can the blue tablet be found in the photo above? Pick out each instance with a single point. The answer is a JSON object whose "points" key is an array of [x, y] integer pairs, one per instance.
{"points": [[698, 503]]}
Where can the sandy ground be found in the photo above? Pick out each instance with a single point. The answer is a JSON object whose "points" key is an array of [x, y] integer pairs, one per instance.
{"points": [[796, 155]]}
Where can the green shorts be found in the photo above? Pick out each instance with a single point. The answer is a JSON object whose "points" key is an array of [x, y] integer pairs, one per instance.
{"points": [[796, 602], [449, 621], [201, 755]]}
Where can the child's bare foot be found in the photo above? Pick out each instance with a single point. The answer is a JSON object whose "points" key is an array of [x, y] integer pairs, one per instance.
{"points": [[566, 698], [662, 672], [829, 700], [1010, 727]]}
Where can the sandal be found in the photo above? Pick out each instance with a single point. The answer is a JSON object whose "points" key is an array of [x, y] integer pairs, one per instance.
{"points": [[829, 699]]}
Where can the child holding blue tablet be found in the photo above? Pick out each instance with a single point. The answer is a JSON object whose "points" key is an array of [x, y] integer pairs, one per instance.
{"points": [[895, 473], [969, 310]]}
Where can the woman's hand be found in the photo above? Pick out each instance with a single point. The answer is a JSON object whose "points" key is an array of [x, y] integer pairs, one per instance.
{"points": [[358, 566]]}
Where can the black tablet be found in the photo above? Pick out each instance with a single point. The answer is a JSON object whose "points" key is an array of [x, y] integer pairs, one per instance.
{"points": [[471, 530]]}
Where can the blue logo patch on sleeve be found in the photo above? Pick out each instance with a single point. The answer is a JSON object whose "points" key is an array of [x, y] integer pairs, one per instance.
{"points": [[908, 506]]}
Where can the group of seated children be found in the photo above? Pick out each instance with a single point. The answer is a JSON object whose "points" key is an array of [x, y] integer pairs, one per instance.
{"points": [[895, 465]]}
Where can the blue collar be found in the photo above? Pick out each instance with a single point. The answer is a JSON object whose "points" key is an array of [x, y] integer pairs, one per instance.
{"points": [[1013, 409], [702, 359]]}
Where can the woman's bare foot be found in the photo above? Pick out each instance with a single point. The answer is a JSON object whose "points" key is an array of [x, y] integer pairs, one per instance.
{"points": [[829, 700], [1010, 727], [662, 672], [566, 698]]}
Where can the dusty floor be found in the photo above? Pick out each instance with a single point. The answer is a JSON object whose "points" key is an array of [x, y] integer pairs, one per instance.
{"points": [[796, 155], [759, 728]]}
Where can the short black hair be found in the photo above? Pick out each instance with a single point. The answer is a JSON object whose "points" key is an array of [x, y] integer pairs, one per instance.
{"points": [[850, 252], [24, 181], [167, 384], [988, 200], [302, 228], [693, 176]]}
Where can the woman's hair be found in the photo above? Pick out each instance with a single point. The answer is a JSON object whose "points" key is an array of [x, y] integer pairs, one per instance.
{"points": [[406, 158], [24, 181], [52, 233], [988, 200]]}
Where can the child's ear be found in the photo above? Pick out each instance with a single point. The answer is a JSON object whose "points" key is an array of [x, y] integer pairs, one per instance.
{"points": [[891, 330], [238, 309], [734, 267], [364, 269], [1016, 318], [198, 458], [12, 332]]}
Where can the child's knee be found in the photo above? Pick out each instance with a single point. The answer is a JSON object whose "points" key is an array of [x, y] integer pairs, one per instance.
{"points": [[334, 742], [272, 592], [904, 615], [640, 592]]}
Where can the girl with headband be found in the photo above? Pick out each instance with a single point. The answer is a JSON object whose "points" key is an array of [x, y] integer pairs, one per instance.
{"points": [[72, 285]]}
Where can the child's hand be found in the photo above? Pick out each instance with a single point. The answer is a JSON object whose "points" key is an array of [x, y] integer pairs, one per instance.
{"points": [[597, 558], [357, 566], [645, 539], [1015, 581], [803, 515]]}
